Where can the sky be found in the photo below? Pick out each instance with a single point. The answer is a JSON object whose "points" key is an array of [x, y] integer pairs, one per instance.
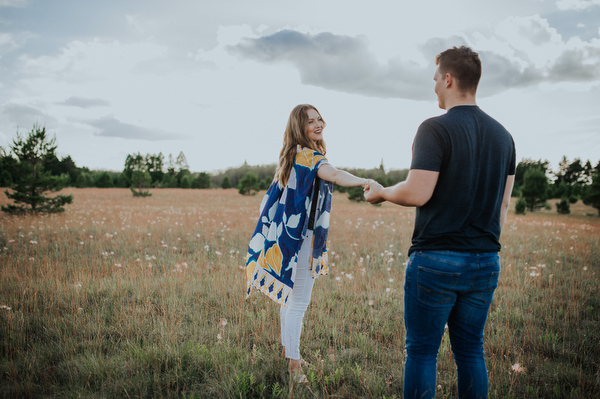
{"points": [[217, 79]]}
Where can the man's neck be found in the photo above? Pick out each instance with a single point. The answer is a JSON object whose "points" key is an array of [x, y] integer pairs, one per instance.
{"points": [[455, 101]]}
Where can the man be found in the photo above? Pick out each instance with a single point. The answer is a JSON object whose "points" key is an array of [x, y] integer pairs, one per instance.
{"points": [[460, 180]]}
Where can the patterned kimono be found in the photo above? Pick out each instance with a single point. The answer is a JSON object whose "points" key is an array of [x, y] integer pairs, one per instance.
{"points": [[283, 224]]}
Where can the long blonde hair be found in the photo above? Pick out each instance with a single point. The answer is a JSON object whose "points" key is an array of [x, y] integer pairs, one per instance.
{"points": [[295, 134]]}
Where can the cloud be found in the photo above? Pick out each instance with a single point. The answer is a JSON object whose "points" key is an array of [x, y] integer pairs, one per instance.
{"points": [[576, 4], [23, 116], [111, 127], [522, 52], [337, 62], [85, 102], [13, 3]]}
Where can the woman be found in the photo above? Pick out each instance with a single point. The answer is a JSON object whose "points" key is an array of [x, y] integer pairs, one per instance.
{"points": [[288, 251]]}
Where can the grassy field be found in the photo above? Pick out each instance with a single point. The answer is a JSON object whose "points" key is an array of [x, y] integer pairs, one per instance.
{"points": [[144, 297]]}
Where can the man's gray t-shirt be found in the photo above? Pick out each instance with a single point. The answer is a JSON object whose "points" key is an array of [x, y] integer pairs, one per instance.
{"points": [[474, 155]]}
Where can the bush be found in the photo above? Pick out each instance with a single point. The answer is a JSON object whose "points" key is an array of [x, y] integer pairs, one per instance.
{"points": [[104, 181], [226, 183], [573, 199], [356, 194], [186, 181], [249, 184], [563, 207], [520, 206]]}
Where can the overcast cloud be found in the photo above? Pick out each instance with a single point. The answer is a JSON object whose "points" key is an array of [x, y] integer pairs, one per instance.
{"points": [[217, 79]]}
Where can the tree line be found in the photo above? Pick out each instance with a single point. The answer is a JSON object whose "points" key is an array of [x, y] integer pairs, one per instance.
{"points": [[31, 168], [535, 183]]}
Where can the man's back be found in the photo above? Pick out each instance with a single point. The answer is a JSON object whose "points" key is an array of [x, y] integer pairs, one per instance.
{"points": [[474, 155]]}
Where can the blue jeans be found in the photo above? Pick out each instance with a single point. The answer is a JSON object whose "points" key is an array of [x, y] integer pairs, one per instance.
{"points": [[453, 288]]}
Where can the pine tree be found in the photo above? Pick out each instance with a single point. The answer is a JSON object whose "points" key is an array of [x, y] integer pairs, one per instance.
{"points": [[31, 182]]}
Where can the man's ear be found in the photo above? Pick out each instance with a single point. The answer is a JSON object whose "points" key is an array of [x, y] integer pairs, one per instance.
{"points": [[449, 80]]}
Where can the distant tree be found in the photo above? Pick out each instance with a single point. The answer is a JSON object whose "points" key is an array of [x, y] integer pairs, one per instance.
{"points": [[122, 181], [226, 183], [103, 180], [31, 182], [523, 167], [249, 184], [169, 181], [8, 165], [154, 166], [201, 181], [84, 180], [264, 184], [134, 163], [535, 189], [186, 181], [591, 195], [140, 182]]}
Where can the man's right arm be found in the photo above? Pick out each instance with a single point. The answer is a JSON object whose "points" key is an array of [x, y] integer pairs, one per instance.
{"points": [[416, 190]]}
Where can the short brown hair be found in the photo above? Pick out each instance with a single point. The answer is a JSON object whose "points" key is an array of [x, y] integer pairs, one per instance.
{"points": [[462, 63]]}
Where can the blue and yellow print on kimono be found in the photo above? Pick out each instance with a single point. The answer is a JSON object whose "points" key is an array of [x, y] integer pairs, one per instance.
{"points": [[283, 224]]}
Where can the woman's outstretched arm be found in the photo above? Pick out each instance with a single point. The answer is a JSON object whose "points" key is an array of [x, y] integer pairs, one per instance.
{"points": [[340, 177]]}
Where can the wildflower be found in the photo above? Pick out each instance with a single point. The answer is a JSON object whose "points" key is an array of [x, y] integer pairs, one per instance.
{"points": [[222, 322], [391, 280], [81, 243], [517, 368], [388, 290], [10, 241], [585, 268], [338, 278], [206, 248], [118, 265], [77, 285], [218, 253], [33, 242], [91, 236], [5, 307], [349, 276], [371, 302], [31, 258]]}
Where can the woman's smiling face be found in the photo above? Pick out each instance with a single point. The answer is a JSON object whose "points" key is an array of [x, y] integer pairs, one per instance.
{"points": [[315, 125]]}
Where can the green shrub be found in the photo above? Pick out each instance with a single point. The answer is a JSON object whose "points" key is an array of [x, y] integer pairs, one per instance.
{"points": [[563, 207]]}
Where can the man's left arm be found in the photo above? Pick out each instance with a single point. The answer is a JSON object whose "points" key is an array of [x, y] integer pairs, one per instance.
{"points": [[510, 181]]}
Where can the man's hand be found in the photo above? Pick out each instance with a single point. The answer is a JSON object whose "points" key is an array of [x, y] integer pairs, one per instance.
{"points": [[372, 192]]}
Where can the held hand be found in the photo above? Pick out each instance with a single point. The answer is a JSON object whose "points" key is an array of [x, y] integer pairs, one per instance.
{"points": [[372, 192]]}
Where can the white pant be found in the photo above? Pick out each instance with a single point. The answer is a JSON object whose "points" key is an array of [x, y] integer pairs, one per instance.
{"points": [[291, 315]]}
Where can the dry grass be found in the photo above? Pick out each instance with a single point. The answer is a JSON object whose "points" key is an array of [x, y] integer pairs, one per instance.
{"points": [[144, 297]]}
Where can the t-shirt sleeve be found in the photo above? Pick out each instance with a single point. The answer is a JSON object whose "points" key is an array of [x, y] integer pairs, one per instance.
{"points": [[428, 150], [513, 160]]}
